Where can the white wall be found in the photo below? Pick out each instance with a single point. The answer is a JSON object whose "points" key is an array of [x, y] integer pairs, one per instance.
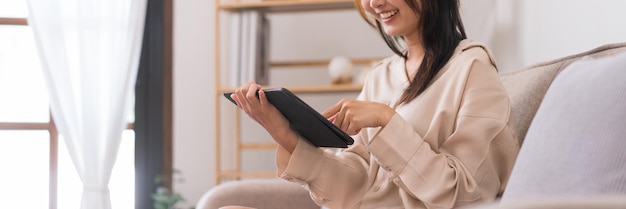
{"points": [[519, 33], [531, 31], [557, 28], [193, 100]]}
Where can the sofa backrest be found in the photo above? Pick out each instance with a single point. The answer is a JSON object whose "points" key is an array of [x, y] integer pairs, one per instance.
{"points": [[528, 86], [576, 141]]}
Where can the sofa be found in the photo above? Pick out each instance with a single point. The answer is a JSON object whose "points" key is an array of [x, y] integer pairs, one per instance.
{"points": [[570, 116]]}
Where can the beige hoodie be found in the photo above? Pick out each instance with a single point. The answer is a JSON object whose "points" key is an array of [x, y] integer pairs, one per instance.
{"points": [[451, 146]]}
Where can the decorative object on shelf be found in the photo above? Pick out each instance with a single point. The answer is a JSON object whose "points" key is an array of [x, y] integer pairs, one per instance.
{"points": [[340, 70]]}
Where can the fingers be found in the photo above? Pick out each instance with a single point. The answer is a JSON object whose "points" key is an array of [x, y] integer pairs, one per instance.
{"points": [[353, 129], [234, 97], [345, 123], [339, 118], [348, 115], [336, 114], [245, 96], [350, 126], [251, 94], [240, 98], [263, 98], [332, 110], [332, 118]]}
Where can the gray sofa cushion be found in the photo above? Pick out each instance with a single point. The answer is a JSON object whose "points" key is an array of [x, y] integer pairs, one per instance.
{"points": [[527, 87], [577, 140]]}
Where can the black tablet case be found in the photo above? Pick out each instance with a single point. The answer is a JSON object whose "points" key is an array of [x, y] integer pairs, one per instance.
{"points": [[305, 120]]}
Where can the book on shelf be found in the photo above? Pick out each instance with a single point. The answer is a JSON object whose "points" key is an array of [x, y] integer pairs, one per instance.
{"points": [[261, 75], [234, 49], [244, 59], [248, 48]]}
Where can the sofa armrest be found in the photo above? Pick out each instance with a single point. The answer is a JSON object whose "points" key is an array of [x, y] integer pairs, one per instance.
{"points": [[261, 194]]}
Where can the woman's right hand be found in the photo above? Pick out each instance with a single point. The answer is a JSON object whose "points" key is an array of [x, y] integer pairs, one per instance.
{"points": [[264, 113], [352, 115]]}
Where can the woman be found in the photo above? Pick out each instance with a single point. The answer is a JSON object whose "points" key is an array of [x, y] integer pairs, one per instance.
{"points": [[432, 125]]}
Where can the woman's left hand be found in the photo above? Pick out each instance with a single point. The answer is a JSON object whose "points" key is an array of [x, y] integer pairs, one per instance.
{"points": [[353, 115], [264, 113]]}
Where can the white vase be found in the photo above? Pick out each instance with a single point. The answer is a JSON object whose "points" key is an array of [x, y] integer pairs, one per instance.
{"points": [[340, 70]]}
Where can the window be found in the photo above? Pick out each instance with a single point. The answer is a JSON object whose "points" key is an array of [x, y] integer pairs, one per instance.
{"points": [[37, 170]]}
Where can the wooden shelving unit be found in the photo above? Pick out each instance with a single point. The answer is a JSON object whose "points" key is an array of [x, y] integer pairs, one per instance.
{"points": [[268, 6]]}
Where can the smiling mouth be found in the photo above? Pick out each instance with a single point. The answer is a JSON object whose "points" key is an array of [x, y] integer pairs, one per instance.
{"points": [[387, 15]]}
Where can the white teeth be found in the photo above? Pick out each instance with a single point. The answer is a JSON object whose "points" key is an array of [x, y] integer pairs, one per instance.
{"points": [[386, 15]]}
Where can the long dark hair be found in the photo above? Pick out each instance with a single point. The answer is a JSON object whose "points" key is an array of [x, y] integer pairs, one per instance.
{"points": [[441, 31]]}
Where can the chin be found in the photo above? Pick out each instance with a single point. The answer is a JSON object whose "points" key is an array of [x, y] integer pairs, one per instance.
{"points": [[392, 31]]}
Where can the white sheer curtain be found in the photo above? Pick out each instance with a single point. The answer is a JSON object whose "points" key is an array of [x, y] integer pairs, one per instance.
{"points": [[90, 52]]}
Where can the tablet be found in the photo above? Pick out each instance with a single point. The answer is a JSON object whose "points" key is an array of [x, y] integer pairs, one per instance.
{"points": [[305, 120]]}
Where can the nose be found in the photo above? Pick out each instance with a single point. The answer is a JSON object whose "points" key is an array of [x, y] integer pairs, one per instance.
{"points": [[376, 3]]}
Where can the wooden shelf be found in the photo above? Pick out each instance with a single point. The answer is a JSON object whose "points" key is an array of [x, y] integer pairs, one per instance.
{"points": [[258, 146], [287, 5], [13, 21], [25, 126], [310, 89]]}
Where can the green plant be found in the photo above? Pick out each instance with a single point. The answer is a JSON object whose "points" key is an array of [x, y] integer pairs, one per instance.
{"points": [[163, 197]]}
